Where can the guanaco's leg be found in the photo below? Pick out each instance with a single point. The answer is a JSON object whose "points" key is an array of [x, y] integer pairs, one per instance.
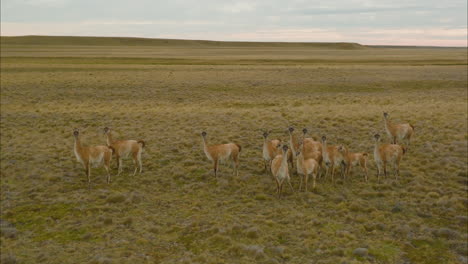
{"points": [[215, 163], [289, 182], [89, 172], [236, 164], [306, 176], [385, 169], [135, 162]]}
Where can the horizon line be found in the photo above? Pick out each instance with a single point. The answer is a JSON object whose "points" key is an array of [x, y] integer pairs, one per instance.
{"points": [[240, 41]]}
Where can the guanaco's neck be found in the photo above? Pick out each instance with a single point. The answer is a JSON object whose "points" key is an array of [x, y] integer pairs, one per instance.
{"points": [[292, 142], [284, 161], [324, 147], [205, 144], [78, 146], [376, 148], [387, 122], [109, 138]]}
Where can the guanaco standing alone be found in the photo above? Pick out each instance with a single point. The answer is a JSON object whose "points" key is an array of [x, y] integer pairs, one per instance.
{"points": [[220, 152]]}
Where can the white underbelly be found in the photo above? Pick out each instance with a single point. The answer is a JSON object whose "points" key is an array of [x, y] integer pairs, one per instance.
{"points": [[97, 161]]}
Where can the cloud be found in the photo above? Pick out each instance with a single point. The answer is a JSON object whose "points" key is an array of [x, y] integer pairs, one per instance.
{"points": [[365, 21]]}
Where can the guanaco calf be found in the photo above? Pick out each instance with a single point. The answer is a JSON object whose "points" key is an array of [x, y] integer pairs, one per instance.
{"points": [[220, 152], [398, 131], [96, 156], [124, 148], [355, 159], [334, 158], [280, 170], [305, 167], [387, 154]]}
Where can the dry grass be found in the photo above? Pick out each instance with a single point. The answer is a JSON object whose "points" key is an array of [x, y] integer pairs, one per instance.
{"points": [[177, 212]]}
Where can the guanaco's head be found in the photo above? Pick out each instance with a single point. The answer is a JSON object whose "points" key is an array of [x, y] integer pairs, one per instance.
{"points": [[285, 148], [291, 129], [265, 134], [304, 131], [377, 137], [76, 132], [203, 134], [385, 115], [341, 149], [106, 130], [324, 138]]}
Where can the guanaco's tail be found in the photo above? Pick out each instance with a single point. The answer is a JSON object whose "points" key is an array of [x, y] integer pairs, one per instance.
{"points": [[143, 144], [240, 148]]}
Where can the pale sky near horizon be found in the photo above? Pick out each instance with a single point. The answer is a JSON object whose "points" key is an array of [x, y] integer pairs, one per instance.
{"points": [[371, 22]]}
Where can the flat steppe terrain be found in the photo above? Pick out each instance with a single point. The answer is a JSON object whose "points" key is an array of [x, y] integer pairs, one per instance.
{"points": [[167, 92]]}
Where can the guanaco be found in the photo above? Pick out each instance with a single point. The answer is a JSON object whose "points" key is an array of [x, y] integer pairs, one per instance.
{"points": [[306, 167], [312, 148], [270, 150], [398, 131], [220, 152], [280, 170], [95, 156], [124, 148], [334, 158], [387, 154], [355, 159]]}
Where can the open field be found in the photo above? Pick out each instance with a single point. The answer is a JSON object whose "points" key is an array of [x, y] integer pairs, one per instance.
{"points": [[176, 211]]}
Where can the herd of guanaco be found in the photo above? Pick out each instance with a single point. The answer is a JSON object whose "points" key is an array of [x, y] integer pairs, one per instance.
{"points": [[313, 157]]}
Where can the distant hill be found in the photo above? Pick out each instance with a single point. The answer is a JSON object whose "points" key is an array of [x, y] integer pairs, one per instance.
{"points": [[121, 41]]}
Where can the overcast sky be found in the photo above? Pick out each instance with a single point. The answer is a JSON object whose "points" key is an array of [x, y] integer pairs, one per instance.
{"points": [[383, 22]]}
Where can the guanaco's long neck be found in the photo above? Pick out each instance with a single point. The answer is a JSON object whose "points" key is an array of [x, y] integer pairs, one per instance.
{"points": [[284, 161], [387, 122], [376, 148], [205, 144], [78, 146], [292, 142], [324, 148], [109, 138]]}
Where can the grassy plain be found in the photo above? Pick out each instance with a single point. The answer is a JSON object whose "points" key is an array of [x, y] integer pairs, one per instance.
{"points": [[176, 211]]}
